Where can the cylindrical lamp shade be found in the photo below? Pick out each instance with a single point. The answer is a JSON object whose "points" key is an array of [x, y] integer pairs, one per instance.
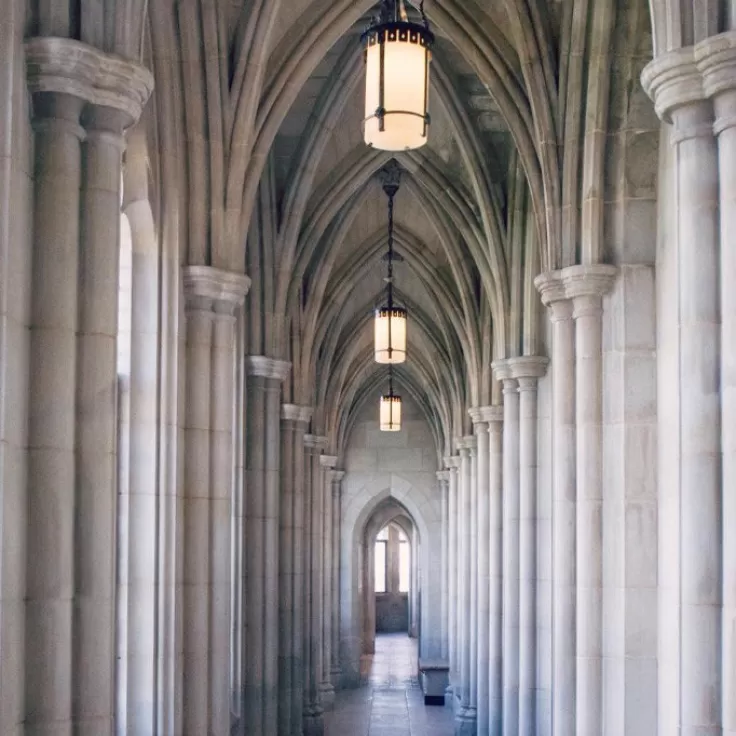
{"points": [[397, 86], [390, 417], [390, 335]]}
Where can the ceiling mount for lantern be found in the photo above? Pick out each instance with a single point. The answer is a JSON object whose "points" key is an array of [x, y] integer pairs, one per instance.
{"points": [[390, 408], [397, 55], [390, 320]]}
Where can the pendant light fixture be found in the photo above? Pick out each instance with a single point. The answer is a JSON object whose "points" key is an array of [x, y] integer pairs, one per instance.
{"points": [[390, 320], [397, 57], [390, 408]]}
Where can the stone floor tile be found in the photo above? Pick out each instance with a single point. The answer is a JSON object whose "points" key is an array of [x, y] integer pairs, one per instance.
{"points": [[390, 703]]}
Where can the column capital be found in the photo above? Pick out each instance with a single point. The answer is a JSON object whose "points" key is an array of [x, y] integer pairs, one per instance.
{"points": [[489, 414], [550, 287], [224, 290], [336, 476], [716, 61], [452, 462], [328, 461], [443, 476], [66, 66], [295, 413], [592, 280], [672, 80], [315, 442], [503, 371], [528, 367], [478, 419], [466, 443], [260, 365]]}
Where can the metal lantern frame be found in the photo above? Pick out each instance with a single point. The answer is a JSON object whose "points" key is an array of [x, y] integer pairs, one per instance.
{"points": [[391, 179], [393, 26]]}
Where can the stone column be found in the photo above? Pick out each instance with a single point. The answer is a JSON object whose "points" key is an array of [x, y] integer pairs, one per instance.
{"points": [[453, 463], [443, 478], [335, 670], [502, 371], [262, 511], [494, 417], [211, 299], [313, 499], [716, 59], [676, 86], [466, 715], [586, 285], [553, 295], [70, 585], [527, 370], [294, 424], [483, 538], [473, 574], [326, 688]]}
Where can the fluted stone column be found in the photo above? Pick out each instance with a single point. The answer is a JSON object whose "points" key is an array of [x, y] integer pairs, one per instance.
{"points": [[335, 670], [294, 424], [313, 499], [502, 371], [453, 554], [466, 715], [716, 60], [690, 610], [211, 299], [494, 417], [552, 291], [483, 537], [262, 510], [326, 688], [527, 370], [70, 585], [443, 478]]}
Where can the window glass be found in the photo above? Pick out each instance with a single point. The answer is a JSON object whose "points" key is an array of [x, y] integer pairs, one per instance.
{"points": [[404, 565], [380, 574]]}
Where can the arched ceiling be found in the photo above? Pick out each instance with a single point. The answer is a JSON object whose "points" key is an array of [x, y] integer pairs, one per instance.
{"points": [[451, 228], [267, 117]]}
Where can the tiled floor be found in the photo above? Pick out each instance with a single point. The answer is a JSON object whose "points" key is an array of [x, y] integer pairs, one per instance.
{"points": [[391, 702]]}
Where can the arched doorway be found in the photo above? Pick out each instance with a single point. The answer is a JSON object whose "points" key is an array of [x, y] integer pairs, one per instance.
{"points": [[390, 590]]}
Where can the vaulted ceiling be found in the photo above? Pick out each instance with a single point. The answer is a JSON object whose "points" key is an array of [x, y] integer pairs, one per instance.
{"points": [[257, 121]]}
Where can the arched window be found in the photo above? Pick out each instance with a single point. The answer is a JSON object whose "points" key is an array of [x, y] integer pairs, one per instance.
{"points": [[392, 560], [381, 559], [404, 563]]}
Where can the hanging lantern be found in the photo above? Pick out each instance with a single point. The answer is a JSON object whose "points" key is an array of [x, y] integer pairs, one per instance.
{"points": [[390, 335], [390, 408], [397, 57], [390, 320]]}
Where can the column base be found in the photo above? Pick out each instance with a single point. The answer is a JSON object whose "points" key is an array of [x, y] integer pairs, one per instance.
{"points": [[314, 722], [327, 695], [335, 675], [466, 720]]}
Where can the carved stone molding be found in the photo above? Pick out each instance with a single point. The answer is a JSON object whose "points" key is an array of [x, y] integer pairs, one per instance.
{"points": [[452, 461], [328, 461], [223, 288], [443, 476], [295, 413], [66, 66], [315, 442], [528, 366], [260, 365], [672, 80]]}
